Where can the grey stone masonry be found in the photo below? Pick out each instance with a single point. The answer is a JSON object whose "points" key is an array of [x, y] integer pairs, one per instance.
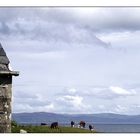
{"points": [[5, 92]]}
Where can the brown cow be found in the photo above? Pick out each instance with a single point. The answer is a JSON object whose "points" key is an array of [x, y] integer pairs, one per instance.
{"points": [[82, 124]]}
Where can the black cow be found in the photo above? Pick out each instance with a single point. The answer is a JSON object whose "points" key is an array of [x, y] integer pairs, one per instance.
{"points": [[54, 125], [90, 127], [43, 124], [72, 123]]}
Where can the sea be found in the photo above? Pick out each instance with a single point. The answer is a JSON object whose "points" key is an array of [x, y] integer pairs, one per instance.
{"points": [[117, 128]]}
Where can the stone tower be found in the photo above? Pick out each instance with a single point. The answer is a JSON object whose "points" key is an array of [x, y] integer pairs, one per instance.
{"points": [[5, 92]]}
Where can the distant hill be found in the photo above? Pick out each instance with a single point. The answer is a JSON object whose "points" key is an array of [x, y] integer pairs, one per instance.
{"points": [[103, 118]]}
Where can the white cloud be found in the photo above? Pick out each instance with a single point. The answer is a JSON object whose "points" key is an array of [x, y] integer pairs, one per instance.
{"points": [[122, 91], [71, 103], [108, 93], [120, 109], [19, 108], [31, 102], [75, 101]]}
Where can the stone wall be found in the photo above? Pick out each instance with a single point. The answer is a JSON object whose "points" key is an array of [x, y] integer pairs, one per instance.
{"points": [[5, 103]]}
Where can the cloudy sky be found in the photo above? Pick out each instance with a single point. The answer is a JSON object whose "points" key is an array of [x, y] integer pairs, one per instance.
{"points": [[73, 60]]}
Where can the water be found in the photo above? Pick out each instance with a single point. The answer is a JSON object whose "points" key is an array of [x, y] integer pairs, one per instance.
{"points": [[118, 128]]}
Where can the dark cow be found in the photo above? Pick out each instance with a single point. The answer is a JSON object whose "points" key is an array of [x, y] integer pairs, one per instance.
{"points": [[72, 123], [54, 125], [82, 124], [90, 127], [43, 124]]}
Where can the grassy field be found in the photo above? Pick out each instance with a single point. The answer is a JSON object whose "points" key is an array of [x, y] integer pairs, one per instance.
{"points": [[47, 129]]}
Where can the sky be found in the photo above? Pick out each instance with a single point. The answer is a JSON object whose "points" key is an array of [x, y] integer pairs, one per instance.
{"points": [[73, 60]]}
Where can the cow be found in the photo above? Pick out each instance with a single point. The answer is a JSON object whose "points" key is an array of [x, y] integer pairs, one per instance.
{"points": [[91, 127], [54, 125], [72, 123], [82, 124], [43, 124]]}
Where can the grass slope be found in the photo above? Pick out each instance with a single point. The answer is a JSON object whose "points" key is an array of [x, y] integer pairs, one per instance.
{"points": [[47, 129]]}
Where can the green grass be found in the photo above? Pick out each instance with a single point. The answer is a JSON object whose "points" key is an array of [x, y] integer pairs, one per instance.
{"points": [[47, 129]]}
